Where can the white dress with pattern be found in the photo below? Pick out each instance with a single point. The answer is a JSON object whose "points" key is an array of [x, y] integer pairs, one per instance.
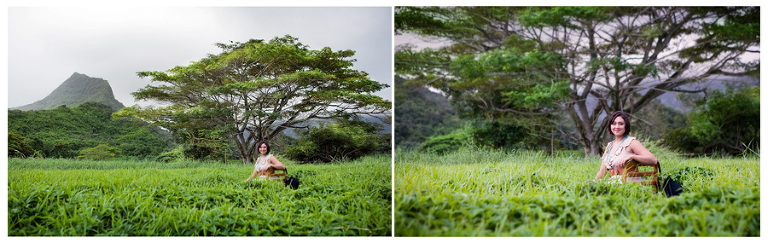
{"points": [[261, 165], [613, 153]]}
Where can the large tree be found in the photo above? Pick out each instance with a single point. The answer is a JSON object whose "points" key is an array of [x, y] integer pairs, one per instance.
{"points": [[492, 76], [612, 58], [253, 91]]}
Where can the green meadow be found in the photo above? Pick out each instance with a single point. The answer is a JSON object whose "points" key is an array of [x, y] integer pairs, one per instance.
{"points": [[60, 197], [490, 193]]}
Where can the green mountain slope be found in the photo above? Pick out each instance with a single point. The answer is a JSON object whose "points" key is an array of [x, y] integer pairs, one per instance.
{"points": [[76, 90]]}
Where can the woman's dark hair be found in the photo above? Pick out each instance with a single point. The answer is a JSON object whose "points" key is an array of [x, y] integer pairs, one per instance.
{"points": [[623, 115], [258, 145]]}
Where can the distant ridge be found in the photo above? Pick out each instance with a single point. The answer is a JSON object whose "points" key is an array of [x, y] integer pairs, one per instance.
{"points": [[76, 90]]}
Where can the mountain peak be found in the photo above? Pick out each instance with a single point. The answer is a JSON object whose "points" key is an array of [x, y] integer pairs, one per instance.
{"points": [[78, 75], [77, 89]]}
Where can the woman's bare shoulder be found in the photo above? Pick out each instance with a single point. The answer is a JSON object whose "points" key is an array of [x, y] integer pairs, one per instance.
{"points": [[636, 144]]}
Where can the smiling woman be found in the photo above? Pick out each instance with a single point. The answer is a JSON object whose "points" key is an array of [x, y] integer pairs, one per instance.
{"points": [[622, 149], [266, 164]]}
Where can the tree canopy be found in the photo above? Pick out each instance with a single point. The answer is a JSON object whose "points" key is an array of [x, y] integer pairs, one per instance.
{"points": [[253, 91]]}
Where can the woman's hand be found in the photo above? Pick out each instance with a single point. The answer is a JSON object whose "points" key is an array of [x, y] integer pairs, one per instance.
{"points": [[600, 172], [623, 160]]}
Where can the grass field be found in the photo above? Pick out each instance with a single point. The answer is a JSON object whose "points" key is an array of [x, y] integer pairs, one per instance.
{"points": [[50, 197], [482, 193]]}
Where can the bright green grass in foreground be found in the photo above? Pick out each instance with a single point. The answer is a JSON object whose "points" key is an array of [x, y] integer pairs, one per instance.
{"points": [[69, 197], [481, 193]]}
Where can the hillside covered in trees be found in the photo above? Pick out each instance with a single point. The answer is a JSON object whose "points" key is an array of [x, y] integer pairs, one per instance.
{"points": [[64, 132]]}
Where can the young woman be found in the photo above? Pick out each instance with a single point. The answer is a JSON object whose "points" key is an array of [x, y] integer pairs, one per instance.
{"points": [[622, 149], [266, 164]]}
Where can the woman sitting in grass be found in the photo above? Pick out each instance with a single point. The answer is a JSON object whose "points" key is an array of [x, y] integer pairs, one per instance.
{"points": [[623, 149], [266, 164]]}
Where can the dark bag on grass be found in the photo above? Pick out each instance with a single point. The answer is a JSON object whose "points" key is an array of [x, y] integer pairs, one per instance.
{"points": [[670, 186], [291, 181]]}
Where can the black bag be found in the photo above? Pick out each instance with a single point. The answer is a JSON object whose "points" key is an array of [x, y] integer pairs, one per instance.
{"points": [[670, 186], [291, 181]]}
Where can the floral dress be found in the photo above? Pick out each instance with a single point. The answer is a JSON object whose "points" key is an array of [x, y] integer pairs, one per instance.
{"points": [[261, 165], [613, 153]]}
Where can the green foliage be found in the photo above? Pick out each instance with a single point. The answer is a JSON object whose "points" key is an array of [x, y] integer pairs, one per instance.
{"points": [[345, 140], [64, 131], [100, 152], [207, 151], [253, 91], [486, 134], [420, 114], [446, 143], [171, 156], [741, 25], [499, 135], [17, 147], [726, 122], [659, 149], [140, 143], [281, 143], [126, 198], [496, 193], [563, 16], [540, 95], [654, 121], [507, 84], [413, 18], [510, 61]]}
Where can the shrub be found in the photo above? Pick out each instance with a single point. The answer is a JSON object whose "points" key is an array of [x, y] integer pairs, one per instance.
{"points": [[18, 148], [171, 156], [726, 122], [141, 143], [501, 135], [100, 152], [342, 141], [445, 143]]}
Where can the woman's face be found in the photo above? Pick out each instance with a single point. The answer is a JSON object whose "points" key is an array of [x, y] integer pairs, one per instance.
{"points": [[617, 126], [263, 148]]}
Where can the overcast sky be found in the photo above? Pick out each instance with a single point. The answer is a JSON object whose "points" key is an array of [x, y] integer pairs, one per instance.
{"points": [[47, 44]]}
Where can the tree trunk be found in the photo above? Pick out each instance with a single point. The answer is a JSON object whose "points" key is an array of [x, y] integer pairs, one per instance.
{"points": [[243, 148], [589, 139], [247, 158]]}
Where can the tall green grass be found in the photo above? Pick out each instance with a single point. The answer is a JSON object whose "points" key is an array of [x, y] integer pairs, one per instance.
{"points": [[487, 193], [51, 197]]}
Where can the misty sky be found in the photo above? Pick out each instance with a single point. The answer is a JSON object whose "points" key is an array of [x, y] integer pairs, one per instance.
{"points": [[47, 45]]}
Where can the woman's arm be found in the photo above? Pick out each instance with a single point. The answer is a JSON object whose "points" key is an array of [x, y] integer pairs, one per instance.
{"points": [[641, 154], [276, 163], [601, 172], [253, 175]]}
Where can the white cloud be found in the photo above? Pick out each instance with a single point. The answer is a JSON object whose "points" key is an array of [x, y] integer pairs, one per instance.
{"points": [[47, 44]]}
